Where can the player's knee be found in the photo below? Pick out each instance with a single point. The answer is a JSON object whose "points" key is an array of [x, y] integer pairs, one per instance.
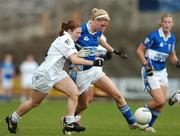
{"points": [[74, 96], [161, 102]]}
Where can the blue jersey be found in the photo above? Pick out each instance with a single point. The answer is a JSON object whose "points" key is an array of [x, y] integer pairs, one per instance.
{"points": [[89, 41], [158, 48]]}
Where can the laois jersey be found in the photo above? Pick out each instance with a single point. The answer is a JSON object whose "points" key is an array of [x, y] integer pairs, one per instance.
{"points": [[158, 48], [89, 41]]}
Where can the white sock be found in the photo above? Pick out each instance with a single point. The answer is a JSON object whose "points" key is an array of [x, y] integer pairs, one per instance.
{"points": [[77, 118], [70, 119], [15, 117]]}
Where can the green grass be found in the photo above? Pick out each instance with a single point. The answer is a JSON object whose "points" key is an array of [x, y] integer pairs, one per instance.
{"points": [[101, 119]]}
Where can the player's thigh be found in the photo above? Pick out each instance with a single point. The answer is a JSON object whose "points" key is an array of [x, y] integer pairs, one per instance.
{"points": [[67, 86], [158, 95], [106, 85]]}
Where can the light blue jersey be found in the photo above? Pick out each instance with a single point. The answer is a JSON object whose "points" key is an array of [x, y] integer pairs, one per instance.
{"points": [[89, 41], [158, 48]]}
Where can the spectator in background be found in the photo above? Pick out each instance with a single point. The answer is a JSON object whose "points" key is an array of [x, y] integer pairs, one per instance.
{"points": [[27, 69], [153, 53], [7, 73]]}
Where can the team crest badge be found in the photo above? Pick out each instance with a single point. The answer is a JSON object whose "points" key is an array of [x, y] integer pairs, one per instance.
{"points": [[86, 38]]}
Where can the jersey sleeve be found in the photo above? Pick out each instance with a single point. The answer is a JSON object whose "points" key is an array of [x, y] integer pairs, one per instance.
{"points": [[148, 41]]}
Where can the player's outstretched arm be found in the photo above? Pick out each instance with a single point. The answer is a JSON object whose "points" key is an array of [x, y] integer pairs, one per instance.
{"points": [[76, 60]]}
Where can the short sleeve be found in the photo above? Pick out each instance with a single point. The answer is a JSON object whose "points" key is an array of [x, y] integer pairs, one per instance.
{"points": [[148, 41]]}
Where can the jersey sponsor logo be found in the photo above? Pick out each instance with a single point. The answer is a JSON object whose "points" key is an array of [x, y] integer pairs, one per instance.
{"points": [[86, 38], [67, 42], [160, 57]]}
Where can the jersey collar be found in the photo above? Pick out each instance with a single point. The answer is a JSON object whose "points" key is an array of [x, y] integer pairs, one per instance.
{"points": [[161, 34], [88, 25]]}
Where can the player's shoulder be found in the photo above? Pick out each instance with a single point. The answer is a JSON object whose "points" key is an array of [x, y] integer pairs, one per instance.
{"points": [[63, 40]]}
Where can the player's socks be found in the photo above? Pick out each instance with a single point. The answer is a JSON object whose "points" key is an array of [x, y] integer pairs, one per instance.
{"points": [[70, 119], [155, 115], [126, 111], [15, 117]]}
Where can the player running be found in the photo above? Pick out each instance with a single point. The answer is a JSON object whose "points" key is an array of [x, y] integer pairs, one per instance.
{"points": [[50, 74], [87, 75], [153, 52]]}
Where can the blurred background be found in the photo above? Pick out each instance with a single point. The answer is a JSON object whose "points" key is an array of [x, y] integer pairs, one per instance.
{"points": [[29, 27]]}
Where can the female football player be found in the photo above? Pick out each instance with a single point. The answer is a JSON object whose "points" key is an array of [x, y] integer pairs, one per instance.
{"points": [[50, 74], [153, 53], [84, 76]]}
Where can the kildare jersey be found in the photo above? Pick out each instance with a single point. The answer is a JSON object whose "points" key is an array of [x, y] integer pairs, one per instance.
{"points": [[89, 41], [158, 48], [60, 50]]}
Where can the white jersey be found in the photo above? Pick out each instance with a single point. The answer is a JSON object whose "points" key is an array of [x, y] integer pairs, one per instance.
{"points": [[27, 69], [59, 51], [51, 70]]}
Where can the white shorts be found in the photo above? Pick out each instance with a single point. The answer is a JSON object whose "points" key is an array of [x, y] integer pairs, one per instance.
{"points": [[43, 82], [84, 79], [158, 79]]}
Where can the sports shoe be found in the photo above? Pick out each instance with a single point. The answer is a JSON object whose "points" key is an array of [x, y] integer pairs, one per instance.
{"points": [[68, 128], [12, 127], [136, 125], [150, 129], [172, 99]]}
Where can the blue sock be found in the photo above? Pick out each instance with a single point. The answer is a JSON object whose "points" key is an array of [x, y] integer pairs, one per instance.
{"points": [[155, 115], [126, 111]]}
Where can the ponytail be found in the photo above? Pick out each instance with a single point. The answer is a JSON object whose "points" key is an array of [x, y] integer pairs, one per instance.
{"points": [[71, 24]]}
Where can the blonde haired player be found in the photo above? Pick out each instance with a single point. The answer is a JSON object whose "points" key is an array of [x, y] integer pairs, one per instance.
{"points": [[84, 76], [50, 74], [153, 52]]}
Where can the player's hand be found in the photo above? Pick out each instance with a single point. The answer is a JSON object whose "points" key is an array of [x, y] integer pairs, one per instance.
{"points": [[98, 62], [177, 64], [148, 69], [122, 53], [83, 53]]}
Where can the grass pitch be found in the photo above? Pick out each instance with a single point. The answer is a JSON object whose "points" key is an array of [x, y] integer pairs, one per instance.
{"points": [[101, 119]]}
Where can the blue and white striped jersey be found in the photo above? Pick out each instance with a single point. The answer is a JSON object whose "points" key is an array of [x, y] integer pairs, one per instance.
{"points": [[89, 41], [158, 48]]}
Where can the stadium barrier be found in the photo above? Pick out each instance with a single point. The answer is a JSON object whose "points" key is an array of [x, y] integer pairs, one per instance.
{"points": [[131, 88]]}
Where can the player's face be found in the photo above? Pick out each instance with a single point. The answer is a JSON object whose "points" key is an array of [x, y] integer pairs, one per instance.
{"points": [[100, 25], [75, 34], [167, 24]]}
